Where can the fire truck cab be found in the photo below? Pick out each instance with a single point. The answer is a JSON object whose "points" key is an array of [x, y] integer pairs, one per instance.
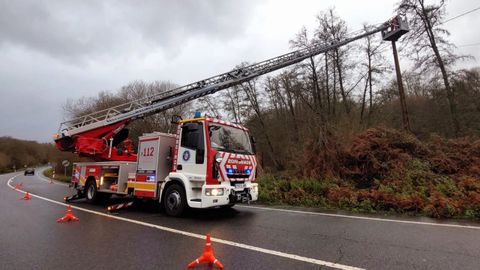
{"points": [[207, 163]]}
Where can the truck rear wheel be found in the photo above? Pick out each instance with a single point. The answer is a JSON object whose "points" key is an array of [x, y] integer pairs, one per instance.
{"points": [[91, 192], [175, 200]]}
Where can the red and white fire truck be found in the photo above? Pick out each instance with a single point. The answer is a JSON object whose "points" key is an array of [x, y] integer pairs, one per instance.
{"points": [[208, 163]]}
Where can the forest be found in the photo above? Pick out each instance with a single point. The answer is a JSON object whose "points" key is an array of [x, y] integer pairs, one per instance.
{"points": [[16, 154], [338, 131]]}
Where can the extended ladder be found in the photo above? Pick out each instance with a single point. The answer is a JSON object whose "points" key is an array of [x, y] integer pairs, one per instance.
{"points": [[168, 99], [97, 134]]}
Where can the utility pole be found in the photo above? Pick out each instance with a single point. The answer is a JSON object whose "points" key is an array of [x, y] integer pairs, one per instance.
{"points": [[401, 91], [398, 28]]}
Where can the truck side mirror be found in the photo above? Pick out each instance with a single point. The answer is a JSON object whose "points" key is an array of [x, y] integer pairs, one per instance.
{"points": [[175, 119]]}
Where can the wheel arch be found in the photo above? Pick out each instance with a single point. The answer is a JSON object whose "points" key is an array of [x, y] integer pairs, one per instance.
{"points": [[89, 179], [169, 182]]}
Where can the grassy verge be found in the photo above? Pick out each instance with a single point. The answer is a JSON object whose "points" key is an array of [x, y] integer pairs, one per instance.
{"points": [[440, 197], [59, 177]]}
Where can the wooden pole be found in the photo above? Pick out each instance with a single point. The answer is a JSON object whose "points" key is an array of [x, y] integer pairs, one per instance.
{"points": [[401, 91]]}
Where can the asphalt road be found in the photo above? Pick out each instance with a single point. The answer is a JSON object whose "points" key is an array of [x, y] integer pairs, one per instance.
{"points": [[142, 237]]}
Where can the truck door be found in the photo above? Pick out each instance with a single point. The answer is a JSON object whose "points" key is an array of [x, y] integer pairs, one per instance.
{"points": [[191, 160]]}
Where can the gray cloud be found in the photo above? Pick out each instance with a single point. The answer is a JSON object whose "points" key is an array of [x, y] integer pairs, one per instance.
{"points": [[51, 51], [81, 29]]}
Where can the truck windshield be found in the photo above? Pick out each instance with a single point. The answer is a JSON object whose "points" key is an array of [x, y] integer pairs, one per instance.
{"points": [[229, 139]]}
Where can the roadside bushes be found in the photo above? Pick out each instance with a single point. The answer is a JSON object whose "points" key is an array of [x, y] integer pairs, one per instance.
{"points": [[435, 200], [388, 171]]}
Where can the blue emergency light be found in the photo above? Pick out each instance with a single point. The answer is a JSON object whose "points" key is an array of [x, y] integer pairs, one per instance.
{"points": [[197, 115]]}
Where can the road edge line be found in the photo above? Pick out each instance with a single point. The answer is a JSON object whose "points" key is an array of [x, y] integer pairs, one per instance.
{"points": [[361, 217]]}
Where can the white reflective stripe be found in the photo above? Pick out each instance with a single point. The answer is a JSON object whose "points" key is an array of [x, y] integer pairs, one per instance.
{"points": [[225, 157]]}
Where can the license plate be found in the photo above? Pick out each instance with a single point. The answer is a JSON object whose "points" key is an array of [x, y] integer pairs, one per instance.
{"points": [[240, 186]]}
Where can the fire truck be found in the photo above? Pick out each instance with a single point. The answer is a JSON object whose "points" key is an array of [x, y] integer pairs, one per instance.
{"points": [[207, 163]]}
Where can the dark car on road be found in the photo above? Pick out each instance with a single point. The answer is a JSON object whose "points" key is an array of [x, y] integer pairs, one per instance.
{"points": [[29, 171]]}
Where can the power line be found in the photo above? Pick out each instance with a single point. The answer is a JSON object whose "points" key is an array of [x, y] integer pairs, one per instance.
{"points": [[468, 45], [463, 14]]}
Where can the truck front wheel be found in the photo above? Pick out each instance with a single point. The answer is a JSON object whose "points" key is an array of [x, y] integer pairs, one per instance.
{"points": [[175, 200]]}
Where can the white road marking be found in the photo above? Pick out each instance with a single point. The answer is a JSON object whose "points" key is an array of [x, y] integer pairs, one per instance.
{"points": [[362, 218], [44, 178], [199, 236]]}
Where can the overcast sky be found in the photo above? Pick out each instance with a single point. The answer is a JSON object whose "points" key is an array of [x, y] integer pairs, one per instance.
{"points": [[54, 50]]}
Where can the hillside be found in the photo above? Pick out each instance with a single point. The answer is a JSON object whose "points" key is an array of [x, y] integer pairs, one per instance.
{"points": [[18, 154], [388, 171]]}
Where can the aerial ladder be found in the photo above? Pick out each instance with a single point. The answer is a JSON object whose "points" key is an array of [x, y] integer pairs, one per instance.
{"points": [[98, 134]]}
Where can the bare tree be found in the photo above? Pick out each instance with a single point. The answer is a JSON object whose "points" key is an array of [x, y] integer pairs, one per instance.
{"points": [[133, 91], [235, 104], [333, 29], [254, 99], [209, 105], [374, 66], [302, 40], [430, 46]]}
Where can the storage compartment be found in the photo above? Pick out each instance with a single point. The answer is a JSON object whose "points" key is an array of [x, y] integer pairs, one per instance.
{"points": [[154, 163]]}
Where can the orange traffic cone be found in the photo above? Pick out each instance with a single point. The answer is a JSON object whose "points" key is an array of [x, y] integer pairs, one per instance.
{"points": [[26, 196], [68, 216], [17, 186], [207, 256]]}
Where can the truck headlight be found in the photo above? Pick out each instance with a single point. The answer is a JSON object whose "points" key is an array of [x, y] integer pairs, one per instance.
{"points": [[214, 191]]}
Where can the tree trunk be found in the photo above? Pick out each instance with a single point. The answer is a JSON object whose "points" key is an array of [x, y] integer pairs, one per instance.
{"points": [[370, 110], [316, 88], [249, 91], [286, 84], [363, 101], [340, 81], [327, 86], [370, 83], [334, 88], [449, 91]]}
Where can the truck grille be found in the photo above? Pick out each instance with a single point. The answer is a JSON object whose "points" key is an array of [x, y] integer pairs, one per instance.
{"points": [[237, 176]]}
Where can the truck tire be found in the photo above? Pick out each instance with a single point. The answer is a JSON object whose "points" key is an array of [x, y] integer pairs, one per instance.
{"points": [[91, 193], [175, 200]]}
